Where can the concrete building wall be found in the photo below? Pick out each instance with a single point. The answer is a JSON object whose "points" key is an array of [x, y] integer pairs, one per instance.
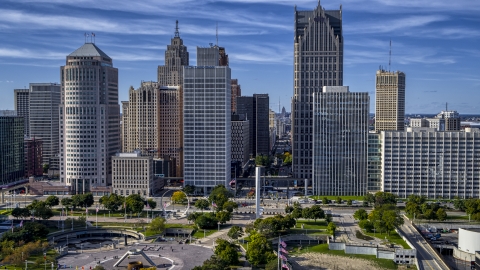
{"points": [[389, 100], [132, 174]]}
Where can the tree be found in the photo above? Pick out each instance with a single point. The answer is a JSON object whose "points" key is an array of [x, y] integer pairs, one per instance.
{"points": [[338, 200], [262, 161], [189, 189], [331, 228], [202, 204], [412, 208], [235, 232], [157, 225], [67, 202], [152, 204], [226, 251], [206, 221], [288, 209], [99, 267], [360, 214], [417, 199], [214, 263], [45, 167], [223, 216], [296, 213], [219, 196], [77, 201], [229, 206], [307, 213], [288, 160], [349, 202], [193, 216], [20, 213], [316, 213], [459, 204], [112, 202], [382, 198], [391, 219], [325, 201], [441, 214], [259, 250], [366, 225], [369, 198], [44, 213], [52, 200], [134, 203]]}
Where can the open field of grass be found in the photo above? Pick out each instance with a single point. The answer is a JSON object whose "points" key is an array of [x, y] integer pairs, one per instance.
{"points": [[323, 248], [311, 224], [393, 238]]}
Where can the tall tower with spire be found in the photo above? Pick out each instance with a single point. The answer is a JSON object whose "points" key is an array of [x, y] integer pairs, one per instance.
{"points": [[318, 62], [176, 56]]}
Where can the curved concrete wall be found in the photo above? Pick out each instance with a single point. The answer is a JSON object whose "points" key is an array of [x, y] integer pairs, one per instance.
{"points": [[468, 241]]}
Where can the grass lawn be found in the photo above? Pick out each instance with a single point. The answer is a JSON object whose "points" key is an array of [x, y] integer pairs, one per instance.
{"points": [[323, 248], [333, 198], [393, 238], [199, 234], [311, 224], [458, 217], [360, 235]]}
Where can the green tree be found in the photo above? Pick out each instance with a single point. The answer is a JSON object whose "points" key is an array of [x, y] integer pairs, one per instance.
{"points": [[412, 208], [202, 204], [338, 200], [288, 160], [206, 221], [235, 232], [307, 213], [226, 251], [331, 228], [325, 201], [214, 263], [366, 225], [360, 214], [45, 168], [382, 198], [259, 250], [189, 189], [157, 225], [219, 196], [296, 213], [223, 216], [67, 202], [349, 202], [369, 198], [459, 204], [262, 161], [419, 200], [77, 201], [44, 213], [87, 199], [112, 202], [317, 213], [152, 204], [52, 200], [441, 214], [229, 206], [193, 216], [391, 219], [134, 203], [288, 209], [20, 213]]}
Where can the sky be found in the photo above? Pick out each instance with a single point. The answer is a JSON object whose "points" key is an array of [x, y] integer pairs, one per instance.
{"points": [[436, 43]]}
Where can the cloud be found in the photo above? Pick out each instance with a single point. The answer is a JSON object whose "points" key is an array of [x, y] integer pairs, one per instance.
{"points": [[393, 25]]}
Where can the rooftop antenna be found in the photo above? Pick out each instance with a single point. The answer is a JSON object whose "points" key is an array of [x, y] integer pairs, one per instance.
{"points": [[279, 111], [446, 106], [92, 36], [390, 56], [217, 33], [177, 34]]}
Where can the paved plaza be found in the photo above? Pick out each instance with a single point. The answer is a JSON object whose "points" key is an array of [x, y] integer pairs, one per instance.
{"points": [[167, 255]]}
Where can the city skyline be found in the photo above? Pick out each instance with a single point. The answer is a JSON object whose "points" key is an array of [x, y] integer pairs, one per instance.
{"points": [[433, 43]]}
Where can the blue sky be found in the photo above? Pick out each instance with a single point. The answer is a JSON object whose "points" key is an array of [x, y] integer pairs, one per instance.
{"points": [[436, 43]]}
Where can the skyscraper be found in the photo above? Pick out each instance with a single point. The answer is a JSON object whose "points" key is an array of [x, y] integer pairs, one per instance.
{"points": [[256, 108], [141, 117], [176, 57], [89, 118], [318, 62], [240, 149], [207, 121], [389, 101], [44, 117], [236, 92], [22, 106], [340, 137], [12, 163]]}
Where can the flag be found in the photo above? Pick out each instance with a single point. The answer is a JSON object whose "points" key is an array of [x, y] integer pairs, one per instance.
{"points": [[164, 204], [93, 34], [284, 265], [86, 210], [283, 244], [214, 204], [97, 209], [282, 257], [21, 224], [148, 206], [125, 205], [283, 250], [232, 182]]}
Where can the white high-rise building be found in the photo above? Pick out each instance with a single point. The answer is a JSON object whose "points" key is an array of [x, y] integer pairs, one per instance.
{"points": [[206, 121], [44, 117], [340, 138], [89, 119]]}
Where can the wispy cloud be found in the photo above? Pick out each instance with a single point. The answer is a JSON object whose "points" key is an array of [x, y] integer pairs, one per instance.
{"points": [[393, 25]]}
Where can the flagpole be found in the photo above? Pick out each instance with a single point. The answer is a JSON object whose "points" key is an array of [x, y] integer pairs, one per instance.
{"points": [[278, 254], [96, 217]]}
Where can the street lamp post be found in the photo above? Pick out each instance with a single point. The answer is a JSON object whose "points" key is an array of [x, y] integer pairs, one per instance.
{"points": [[81, 248], [45, 258], [219, 226]]}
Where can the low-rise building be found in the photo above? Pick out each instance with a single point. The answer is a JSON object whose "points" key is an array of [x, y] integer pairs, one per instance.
{"points": [[133, 173]]}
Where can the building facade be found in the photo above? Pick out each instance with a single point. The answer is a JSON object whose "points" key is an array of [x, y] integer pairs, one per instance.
{"points": [[33, 157], [240, 139], [132, 173], [389, 100], [176, 57], [256, 108], [89, 119], [340, 128], [22, 106], [44, 117], [424, 161], [236, 92], [444, 121], [207, 121], [12, 163], [374, 180], [318, 62], [140, 117]]}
